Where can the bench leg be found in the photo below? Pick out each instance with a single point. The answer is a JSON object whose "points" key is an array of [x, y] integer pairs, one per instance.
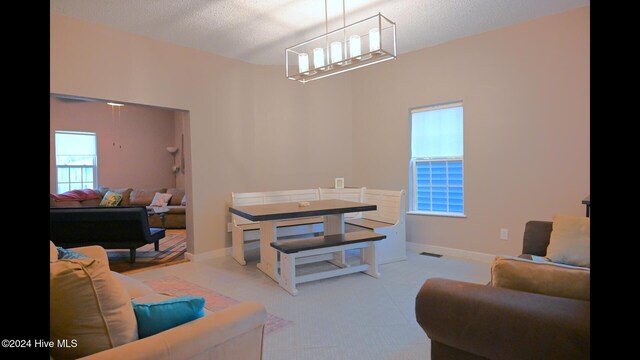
{"points": [[132, 255], [156, 245], [288, 273], [237, 245], [369, 254]]}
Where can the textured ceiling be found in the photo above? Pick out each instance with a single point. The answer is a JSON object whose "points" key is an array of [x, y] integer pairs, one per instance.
{"points": [[258, 31]]}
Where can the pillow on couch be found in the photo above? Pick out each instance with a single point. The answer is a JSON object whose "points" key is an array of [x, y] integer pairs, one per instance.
{"points": [[87, 304], [70, 254], [159, 316], [161, 200], [111, 198], [541, 277], [184, 200], [570, 240]]}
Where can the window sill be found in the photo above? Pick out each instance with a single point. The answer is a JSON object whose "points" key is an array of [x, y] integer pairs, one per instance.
{"points": [[428, 213]]}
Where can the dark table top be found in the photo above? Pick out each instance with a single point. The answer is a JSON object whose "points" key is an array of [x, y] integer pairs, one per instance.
{"points": [[292, 210]]}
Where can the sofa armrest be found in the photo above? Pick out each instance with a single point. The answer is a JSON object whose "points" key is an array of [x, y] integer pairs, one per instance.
{"points": [[233, 333], [94, 252], [499, 323]]}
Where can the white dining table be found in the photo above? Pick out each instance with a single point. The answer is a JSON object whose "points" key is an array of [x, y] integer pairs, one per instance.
{"points": [[269, 214]]}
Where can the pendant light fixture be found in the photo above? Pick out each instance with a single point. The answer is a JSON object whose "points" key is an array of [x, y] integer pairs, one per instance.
{"points": [[342, 49]]}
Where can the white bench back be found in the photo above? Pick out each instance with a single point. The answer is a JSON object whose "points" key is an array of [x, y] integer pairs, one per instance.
{"points": [[349, 194], [270, 197], [390, 205]]}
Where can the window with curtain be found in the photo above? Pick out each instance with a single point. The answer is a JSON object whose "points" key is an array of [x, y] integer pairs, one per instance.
{"points": [[76, 160], [437, 165]]}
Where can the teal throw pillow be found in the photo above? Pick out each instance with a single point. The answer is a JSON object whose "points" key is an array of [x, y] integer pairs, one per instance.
{"points": [[69, 254], [111, 198], [159, 316]]}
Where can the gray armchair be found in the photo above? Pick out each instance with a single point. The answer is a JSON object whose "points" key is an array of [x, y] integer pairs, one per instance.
{"points": [[471, 321]]}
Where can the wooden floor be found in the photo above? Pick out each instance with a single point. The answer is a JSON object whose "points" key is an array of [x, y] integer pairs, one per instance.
{"points": [[172, 249]]}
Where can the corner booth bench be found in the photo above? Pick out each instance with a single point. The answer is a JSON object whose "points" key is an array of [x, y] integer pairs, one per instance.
{"points": [[388, 219]]}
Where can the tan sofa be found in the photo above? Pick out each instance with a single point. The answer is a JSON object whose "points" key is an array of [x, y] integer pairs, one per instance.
{"points": [[174, 219], [233, 333]]}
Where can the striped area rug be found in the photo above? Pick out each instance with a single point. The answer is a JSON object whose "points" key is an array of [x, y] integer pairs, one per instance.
{"points": [[172, 249], [214, 301]]}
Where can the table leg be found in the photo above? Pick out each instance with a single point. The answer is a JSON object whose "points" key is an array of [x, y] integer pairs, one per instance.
{"points": [[268, 255], [334, 224]]}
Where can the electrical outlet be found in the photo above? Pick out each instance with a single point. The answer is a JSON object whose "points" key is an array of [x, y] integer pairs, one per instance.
{"points": [[504, 234]]}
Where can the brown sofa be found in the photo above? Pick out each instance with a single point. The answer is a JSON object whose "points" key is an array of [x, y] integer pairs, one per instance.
{"points": [[471, 321], [174, 219]]}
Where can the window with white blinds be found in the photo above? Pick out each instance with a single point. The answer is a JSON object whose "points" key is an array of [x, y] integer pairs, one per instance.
{"points": [[76, 160], [437, 164]]}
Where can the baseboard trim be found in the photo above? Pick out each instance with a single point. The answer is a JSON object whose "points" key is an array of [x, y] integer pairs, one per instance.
{"points": [[213, 254], [447, 251]]}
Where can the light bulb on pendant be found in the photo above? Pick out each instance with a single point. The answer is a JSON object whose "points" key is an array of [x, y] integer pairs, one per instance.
{"points": [[354, 46], [336, 51], [318, 57], [303, 62], [374, 39]]}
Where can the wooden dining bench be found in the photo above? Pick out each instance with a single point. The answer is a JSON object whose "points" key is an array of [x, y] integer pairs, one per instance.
{"points": [[293, 249]]}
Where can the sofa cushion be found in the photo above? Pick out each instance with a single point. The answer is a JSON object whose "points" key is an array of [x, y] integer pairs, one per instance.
{"points": [[144, 196], [546, 278], [161, 199], [66, 203], [177, 195], [89, 305], [111, 198], [135, 288], [156, 317], [570, 240], [176, 209]]}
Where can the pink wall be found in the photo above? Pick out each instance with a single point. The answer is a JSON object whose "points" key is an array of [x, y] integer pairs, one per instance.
{"points": [[139, 158]]}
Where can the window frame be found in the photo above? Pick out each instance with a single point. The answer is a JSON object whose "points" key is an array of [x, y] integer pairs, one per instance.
{"points": [[413, 193], [68, 167]]}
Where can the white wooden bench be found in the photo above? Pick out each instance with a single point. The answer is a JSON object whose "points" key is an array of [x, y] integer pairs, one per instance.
{"points": [[292, 249], [388, 219], [246, 231]]}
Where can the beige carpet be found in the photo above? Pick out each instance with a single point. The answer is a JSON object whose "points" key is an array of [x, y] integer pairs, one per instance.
{"points": [[350, 317], [172, 249]]}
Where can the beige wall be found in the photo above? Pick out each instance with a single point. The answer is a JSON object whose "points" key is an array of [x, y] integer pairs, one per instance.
{"points": [[526, 127], [525, 90], [251, 129], [131, 145]]}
